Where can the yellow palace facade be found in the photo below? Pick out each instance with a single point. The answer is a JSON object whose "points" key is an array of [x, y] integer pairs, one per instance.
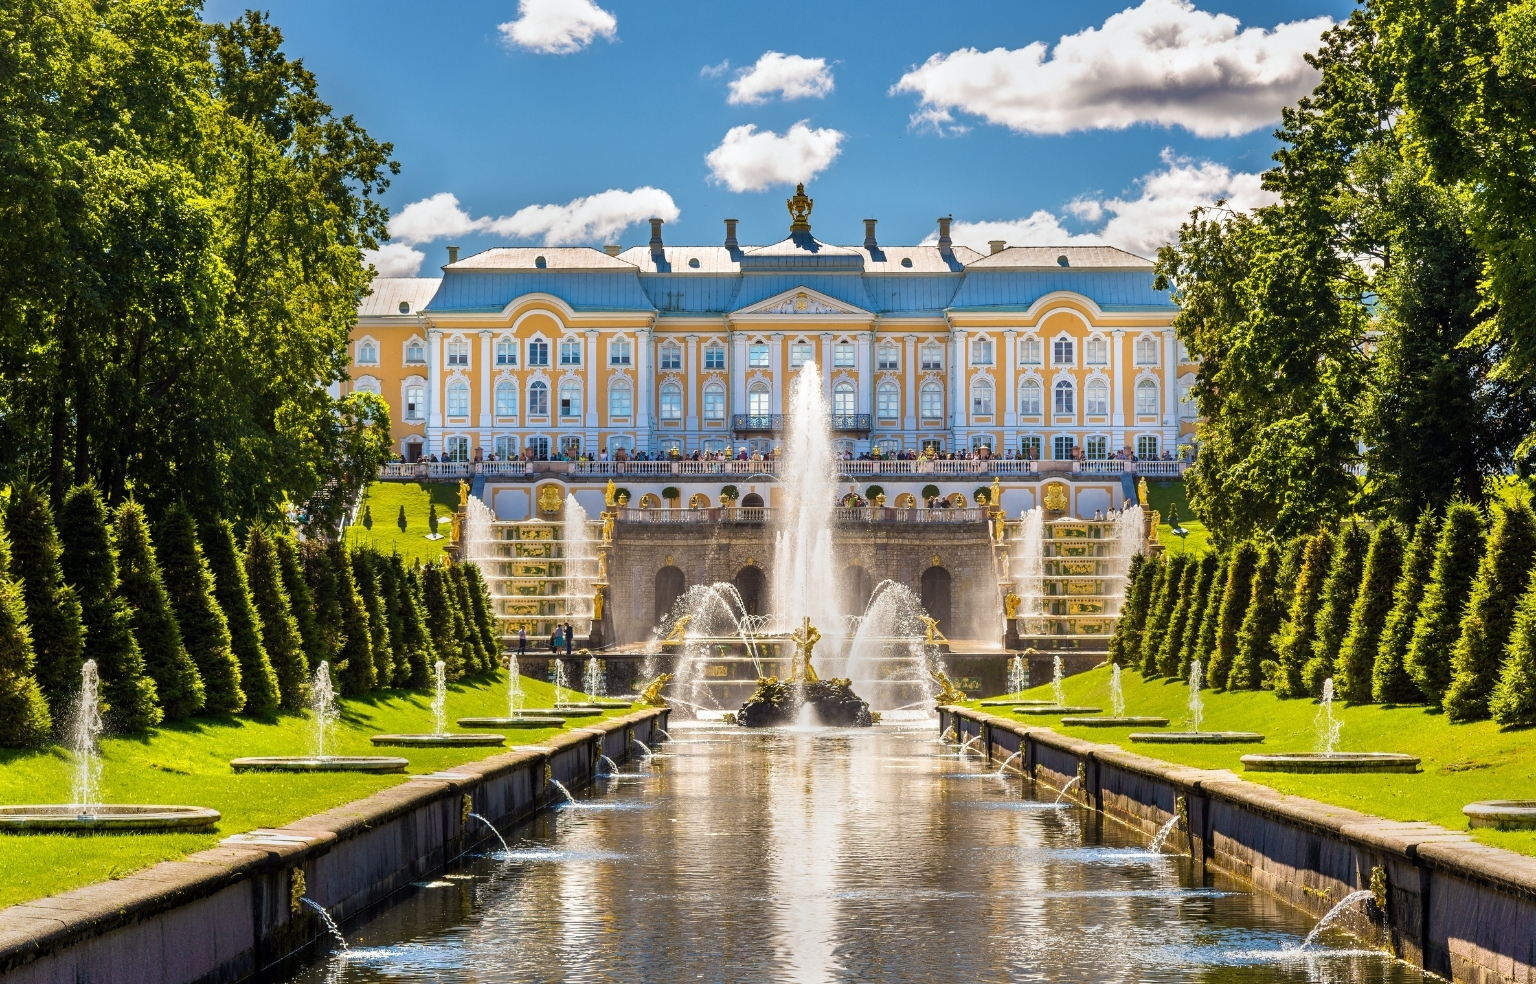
{"points": [[1049, 352]]}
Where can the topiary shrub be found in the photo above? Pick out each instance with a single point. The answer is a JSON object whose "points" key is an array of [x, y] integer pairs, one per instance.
{"points": [[484, 619], [24, 717], [301, 604], [671, 493], [1357, 656], [1133, 610], [1160, 618], [1340, 589], [363, 576], [418, 655], [354, 658], [930, 492], [280, 635], [1199, 634], [622, 496], [728, 494], [177, 682], [204, 631], [1234, 606], [1294, 647], [1173, 640], [437, 594], [1390, 682], [1485, 628], [872, 491], [367, 518], [1457, 554], [1256, 635], [1513, 701], [476, 659], [53, 608], [230, 586], [982, 494], [400, 519]]}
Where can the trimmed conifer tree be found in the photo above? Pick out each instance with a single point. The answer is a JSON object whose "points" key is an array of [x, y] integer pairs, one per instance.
{"points": [[475, 658], [1256, 635], [230, 587], [1160, 618], [89, 562], [204, 632], [166, 660], [24, 718], [1173, 640], [354, 664], [1133, 610], [1514, 698], [1502, 577], [1294, 646], [1458, 552], [485, 618], [437, 593], [378, 623], [419, 655], [1159, 565], [280, 635], [320, 575], [1340, 589], [53, 608], [1357, 656], [1390, 682], [1198, 638], [300, 602], [1234, 606], [1291, 559], [394, 619]]}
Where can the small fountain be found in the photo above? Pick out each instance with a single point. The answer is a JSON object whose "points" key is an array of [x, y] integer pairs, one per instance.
{"points": [[517, 716], [87, 813], [1194, 736], [1333, 915], [1117, 708], [1329, 759], [1059, 690], [1018, 682], [324, 712], [595, 681], [440, 737], [506, 851], [1074, 781], [1002, 770], [1163, 832], [330, 924]]}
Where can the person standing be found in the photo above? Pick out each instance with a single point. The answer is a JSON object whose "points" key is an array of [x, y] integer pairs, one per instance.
{"points": [[569, 633], [554, 640], [522, 641]]}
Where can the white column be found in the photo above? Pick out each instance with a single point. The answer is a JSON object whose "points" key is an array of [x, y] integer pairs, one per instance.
{"points": [[826, 367], [1168, 371], [864, 365], [1007, 374], [643, 386], [909, 424], [592, 374], [957, 408], [690, 391], [485, 386], [1117, 386], [738, 372], [434, 391], [776, 363]]}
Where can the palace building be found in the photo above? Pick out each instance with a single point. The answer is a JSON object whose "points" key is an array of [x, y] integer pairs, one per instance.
{"points": [[1039, 350]]}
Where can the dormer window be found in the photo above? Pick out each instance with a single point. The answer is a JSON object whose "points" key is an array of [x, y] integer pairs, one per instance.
{"points": [[506, 352], [671, 356], [405, 307], [540, 262]]}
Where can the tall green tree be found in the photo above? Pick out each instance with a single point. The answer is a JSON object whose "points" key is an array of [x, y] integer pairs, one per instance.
{"points": [[279, 629], [475, 658], [419, 655], [394, 619], [437, 595], [363, 575], [1457, 555], [1173, 640], [233, 591], [1294, 648], [166, 660], [24, 717], [1514, 698], [1133, 610], [1340, 589], [204, 631], [1202, 642], [485, 617], [1255, 637], [1390, 680], [1357, 656], [53, 608], [320, 575], [89, 562], [300, 602], [1161, 616], [1234, 607], [1501, 579], [354, 659]]}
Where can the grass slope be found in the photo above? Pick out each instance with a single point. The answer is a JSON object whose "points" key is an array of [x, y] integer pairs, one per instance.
{"points": [[188, 764], [384, 499], [1461, 763], [1197, 540]]}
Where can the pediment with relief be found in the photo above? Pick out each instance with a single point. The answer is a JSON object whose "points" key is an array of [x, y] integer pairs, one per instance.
{"points": [[802, 301]]}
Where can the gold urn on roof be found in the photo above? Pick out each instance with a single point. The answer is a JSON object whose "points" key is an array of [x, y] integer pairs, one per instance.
{"points": [[800, 210]]}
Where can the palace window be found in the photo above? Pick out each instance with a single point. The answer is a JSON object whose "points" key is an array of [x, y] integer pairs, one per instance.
{"points": [[458, 352], [981, 352], [671, 356], [1029, 398], [714, 356], [714, 403], [415, 352], [888, 401], [1146, 446], [757, 356], [933, 356], [1096, 397], [458, 398], [415, 403], [981, 398], [1065, 397], [1095, 351], [506, 351], [570, 351], [538, 399], [1061, 448], [456, 449], [368, 353], [759, 400], [571, 445], [1029, 351], [539, 447], [367, 385], [799, 354], [1146, 350], [1096, 448], [506, 398], [617, 441], [506, 448], [1146, 398], [1029, 446], [844, 356], [570, 398], [1062, 352], [1188, 410], [538, 352], [844, 399], [887, 356], [619, 352], [671, 401], [931, 401], [621, 399]]}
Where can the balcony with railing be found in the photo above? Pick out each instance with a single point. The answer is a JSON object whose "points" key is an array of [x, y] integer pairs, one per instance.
{"points": [[757, 515], [1152, 468]]}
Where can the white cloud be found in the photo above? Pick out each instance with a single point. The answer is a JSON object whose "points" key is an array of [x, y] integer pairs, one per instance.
{"points": [[582, 220], [747, 160], [558, 27], [715, 71], [395, 260], [1139, 225], [1163, 62], [432, 218], [791, 76]]}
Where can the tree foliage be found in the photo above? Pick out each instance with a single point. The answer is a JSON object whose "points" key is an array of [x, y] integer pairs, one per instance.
{"points": [[1294, 647], [1234, 606], [1357, 655], [1340, 589], [24, 717], [1457, 555], [52, 607], [1501, 579], [1125, 641], [1255, 637], [178, 684], [204, 631], [279, 629], [1390, 680], [233, 592]]}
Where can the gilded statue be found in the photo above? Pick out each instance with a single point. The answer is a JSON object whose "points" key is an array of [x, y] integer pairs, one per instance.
{"points": [[805, 639], [934, 636], [1011, 604], [997, 493], [610, 494], [549, 499], [651, 695], [676, 635], [597, 606], [1141, 491], [999, 523], [607, 527], [1055, 498], [463, 493], [602, 565], [947, 693]]}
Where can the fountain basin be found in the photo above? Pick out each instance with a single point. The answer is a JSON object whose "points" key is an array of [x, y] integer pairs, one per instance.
{"points": [[439, 741], [1017, 703], [571, 711], [320, 763], [1057, 709], [1331, 762], [1502, 814], [602, 705], [1196, 737], [105, 818], [1115, 722], [521, 721]]}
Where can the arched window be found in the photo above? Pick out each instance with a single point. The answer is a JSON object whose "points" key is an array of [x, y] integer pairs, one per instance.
{"points": [[415, 351], [933, 356], [570, 351], [570, 398], [458, 352], [1065, 402], [1029, 351], [844, 399], [1146, 398], [759, 400], [619, 352], [981, 351], [888, 400], [1095, 352], [714, 356], [981, 397], [671, 356], [931, 400], [1062, 352], [1146, 350], [458, 398], [538, 398], [506, 398], [1188, 409], [538, 352], [671, 401], [621, 399], [1029, 398], [367, 384], [368, 353], [1097, 398], [506, 351], [714, 402]]}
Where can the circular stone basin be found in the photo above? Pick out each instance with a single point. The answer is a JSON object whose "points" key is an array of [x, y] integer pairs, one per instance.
{"points": [[105, 818], [1057, 709], [1331, 762], [1197, 737], [320, 763], [439, 741], [570, 711], [528, 721], [1114, 722], [1017, 703], [1503, 814], [603, 705]]}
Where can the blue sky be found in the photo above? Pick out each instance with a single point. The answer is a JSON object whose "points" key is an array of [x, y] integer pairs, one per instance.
{"points": [[1143, 111]]}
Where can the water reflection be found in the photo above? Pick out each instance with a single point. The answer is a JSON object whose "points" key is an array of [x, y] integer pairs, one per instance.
{"points": [[813, 856]]}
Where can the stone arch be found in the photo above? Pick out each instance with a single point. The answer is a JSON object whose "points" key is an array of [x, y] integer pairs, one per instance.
{"points": [[936, 595], [856, 589], [669, 587], [752, 501], [753, 587]]}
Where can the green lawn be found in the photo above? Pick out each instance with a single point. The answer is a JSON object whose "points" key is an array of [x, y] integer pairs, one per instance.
{"points": [[1161, 495], [384, 500], [1461, 763], [188, 764]]}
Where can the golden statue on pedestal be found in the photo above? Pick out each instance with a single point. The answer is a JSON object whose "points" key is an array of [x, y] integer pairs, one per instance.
{"points": [[805, 639], [463, 493], [1011, 604], [997, 493], [597, 606], [607, 527], [676, 635], [947, 693], [602, 565], [651, 695], [934, 637], [610, 494], [1141, 491]]}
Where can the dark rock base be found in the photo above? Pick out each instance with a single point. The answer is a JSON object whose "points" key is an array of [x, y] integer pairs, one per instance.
{"points": [[776, 704]]}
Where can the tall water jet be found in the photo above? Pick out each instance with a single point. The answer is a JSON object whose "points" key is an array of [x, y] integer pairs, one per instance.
{"points": [[559, 682], [1328, 726], [1196, 702], [580, 566], [1018, 674], [440, 698], [890, 631], [85, 728], [1058, 689], [515, 695], [594, 682], [1116, 694], [323, 706], [1028, 565]]}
